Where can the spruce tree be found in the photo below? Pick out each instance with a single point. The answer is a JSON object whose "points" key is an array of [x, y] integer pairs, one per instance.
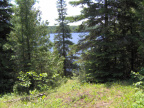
{"points": [[111, 48], [29, 36], [62, 39], [6, 64], [29, 40]]}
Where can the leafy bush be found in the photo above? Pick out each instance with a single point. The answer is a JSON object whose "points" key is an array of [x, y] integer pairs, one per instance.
{"points": [[29, 81], [139, 100], [139, 78], [45, 75], [82, 74], [139, 96]]}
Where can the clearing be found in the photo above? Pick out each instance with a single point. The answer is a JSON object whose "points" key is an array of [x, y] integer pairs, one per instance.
{"points": [[73, 94]]}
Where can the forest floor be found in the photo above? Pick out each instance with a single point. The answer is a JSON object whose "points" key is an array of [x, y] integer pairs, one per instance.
{"points": [[73, 94]]}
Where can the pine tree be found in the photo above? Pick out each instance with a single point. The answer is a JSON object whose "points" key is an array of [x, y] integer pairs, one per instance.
{"points": [[97, 44], [29, 40], [111, 46], [6, 64], [62, 39], [29, 36], [140, 25]]}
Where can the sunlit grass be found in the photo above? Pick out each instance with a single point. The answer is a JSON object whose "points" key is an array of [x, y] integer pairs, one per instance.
{"points": [[75, 94]]}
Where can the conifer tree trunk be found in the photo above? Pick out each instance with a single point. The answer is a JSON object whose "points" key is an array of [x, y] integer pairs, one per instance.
{"points": [[27, 39], [106, 15], [63, 35], [62, 39], [23, 51]]}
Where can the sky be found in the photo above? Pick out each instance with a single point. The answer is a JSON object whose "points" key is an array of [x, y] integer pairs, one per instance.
{"points": [[49, 10]]}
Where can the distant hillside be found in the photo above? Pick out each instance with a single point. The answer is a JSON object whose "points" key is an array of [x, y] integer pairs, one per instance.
{"points": [[52, 29]]}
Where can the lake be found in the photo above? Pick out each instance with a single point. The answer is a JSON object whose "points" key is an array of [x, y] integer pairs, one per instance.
{"points": [[75, 36]]}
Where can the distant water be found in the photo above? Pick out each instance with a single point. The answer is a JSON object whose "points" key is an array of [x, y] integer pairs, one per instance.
{"points": [[75, 36]]}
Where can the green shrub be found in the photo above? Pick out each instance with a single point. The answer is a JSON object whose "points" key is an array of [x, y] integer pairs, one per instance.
{"points": [[139, 78], [139, 96], [82, 74], [139, 100], [30, 81]]}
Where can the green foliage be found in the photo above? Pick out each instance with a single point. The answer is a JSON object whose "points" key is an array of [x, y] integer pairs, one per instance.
{"points": [[82, 74], [139, 78], [49, 76], [7, 77], [40, 82], [25, 81], [29, 39], [36, 66], [62, 39], [113, 46], [139, 100], [74, 94], [139, 95]]}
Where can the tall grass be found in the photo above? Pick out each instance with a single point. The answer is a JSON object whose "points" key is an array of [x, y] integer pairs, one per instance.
{"points": [[79, 95]]}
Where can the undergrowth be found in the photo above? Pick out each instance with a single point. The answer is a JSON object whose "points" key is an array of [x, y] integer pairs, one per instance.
{"points": [[139, 95], [74, 94]]}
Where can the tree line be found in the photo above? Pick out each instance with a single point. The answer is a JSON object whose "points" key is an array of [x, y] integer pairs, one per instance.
{"points": [[26, 62], [110, 51], [52, 29]]}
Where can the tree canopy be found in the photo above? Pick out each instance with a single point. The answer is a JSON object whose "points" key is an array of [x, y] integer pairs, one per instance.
{"points": [[6, 63], [111, 48]]}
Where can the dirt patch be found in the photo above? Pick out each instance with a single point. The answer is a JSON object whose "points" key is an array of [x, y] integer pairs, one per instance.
{"points": [[84, 98], [102, 105]]}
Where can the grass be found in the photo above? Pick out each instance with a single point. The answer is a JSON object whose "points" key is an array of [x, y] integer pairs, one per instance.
{"points": [[76, 95]]}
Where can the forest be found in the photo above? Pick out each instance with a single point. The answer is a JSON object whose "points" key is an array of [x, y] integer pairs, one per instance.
{"points": [[110, 55]]}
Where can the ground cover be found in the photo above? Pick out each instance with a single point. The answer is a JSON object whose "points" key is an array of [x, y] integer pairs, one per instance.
{"points": [[74, 94]]}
